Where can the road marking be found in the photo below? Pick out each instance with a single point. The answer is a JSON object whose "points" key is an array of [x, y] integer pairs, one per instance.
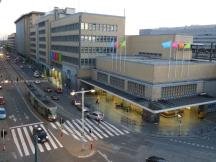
{"points": [[91, 134], [29, 140], [101, 126], [59, 125], [55, 139], [50, 138], [126, 131], [76, 131], [72, 133], [26, 125], [23, 142], [104, 156], [114, 128], [85, 134], [93, 129], [98, 129], [16, 142], [53, 125]]}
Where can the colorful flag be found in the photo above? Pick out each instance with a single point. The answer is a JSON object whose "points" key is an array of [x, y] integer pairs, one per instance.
{"points": [[117, 45], [60, 57], [187, 46], [55, 56], [123, 43], [166, 44], [51, 55], [174, 45], [112, 44], [181, 45]]}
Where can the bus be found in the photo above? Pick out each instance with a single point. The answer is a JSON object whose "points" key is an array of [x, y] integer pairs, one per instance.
{"points": [[41, 103]]}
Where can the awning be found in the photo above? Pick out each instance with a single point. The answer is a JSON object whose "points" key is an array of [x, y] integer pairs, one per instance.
{"points": [[154, 106]]}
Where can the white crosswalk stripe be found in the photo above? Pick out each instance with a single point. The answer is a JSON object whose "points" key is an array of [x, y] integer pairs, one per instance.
{"points": [[24, 142], [99, 130], [75, 130], [59, 125]]}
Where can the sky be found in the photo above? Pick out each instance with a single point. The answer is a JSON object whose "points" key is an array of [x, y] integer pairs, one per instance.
{"points": [[140, 14]]}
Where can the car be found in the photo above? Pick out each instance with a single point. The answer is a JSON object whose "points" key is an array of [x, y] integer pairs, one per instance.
{"points": [[0, 86], [58, 90], [86, 109], [2, 100], [96, 115], [40, 133], [55, 98], [36, 75], [76, 102], [2, 113], [48, 89], [37, 81], [155, 159]]}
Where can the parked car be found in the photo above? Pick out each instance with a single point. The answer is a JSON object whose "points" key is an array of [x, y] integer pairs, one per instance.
{"points": [[40, 133], [2, 100], [2, 113], [48, 89], [55, 97], [96, 115], [155, 159], [58, 90]]}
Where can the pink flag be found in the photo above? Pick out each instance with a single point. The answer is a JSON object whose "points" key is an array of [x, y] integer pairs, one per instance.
{"points": [[117, 45], [174, 45]]}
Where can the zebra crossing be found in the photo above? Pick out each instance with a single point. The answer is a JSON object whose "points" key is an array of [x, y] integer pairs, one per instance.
{"points": [[22, 136], [92, 129]]}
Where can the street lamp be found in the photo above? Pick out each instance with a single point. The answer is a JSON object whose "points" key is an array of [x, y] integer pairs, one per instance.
{"points": [[82, 92], [179, 120]]}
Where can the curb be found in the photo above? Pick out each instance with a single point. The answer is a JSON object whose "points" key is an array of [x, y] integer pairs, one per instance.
{"points": [[86, 156]]}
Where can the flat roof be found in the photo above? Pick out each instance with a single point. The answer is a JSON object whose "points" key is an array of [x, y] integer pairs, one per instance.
{"points": [[151, 61], [154, 106], [27, 14]]}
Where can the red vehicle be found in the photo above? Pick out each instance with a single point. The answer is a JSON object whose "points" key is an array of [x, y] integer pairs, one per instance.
{"points": [[59, 90], [2, 100], [47, 89]]}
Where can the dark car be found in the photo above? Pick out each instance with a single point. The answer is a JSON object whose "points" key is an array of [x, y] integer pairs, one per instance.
{"points": [[40, 133], [59, 90], [2, 100], [155, 159], [55, 98], [47, 89]]}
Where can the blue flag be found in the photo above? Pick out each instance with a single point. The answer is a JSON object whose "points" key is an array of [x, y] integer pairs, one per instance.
{"points": [[166, 44], [112, 44]]}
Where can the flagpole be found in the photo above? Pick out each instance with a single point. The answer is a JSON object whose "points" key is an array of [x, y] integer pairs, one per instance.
{"points": [[175, 61], [120, 60], [182, 61], [188, 68], [125, 42], [169, 62], [116, 54]]}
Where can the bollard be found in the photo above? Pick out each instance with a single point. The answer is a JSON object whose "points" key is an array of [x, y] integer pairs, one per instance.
{"points": [[91, 146], [61, 134], [4, 148]]}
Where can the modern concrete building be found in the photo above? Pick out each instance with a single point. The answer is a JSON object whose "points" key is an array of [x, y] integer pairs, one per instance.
{"points": [[23, 25], [154, 80], [11, 42], [204, 34]]}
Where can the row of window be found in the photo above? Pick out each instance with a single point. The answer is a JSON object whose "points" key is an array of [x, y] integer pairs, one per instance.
{"points": [[101, 77], [42, 39], [43, 53], [32, 33], [41, 31], [42, 60], [136, 89], [93, 38], [33, 50], [32, 39], [99, 27], [117, 82], [98, 50], [73, 49], [89, 61], [33, 45], [74, 38], [64, 28], [41, 24], [42, 46], [152, 55], [179, 91], [72, 60]]}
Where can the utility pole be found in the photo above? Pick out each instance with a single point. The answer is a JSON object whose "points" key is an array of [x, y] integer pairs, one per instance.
{"points": [[36, 148]]}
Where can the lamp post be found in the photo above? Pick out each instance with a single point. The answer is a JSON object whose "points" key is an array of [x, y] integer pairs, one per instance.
{"points": [[82, 92], [179, 120], [36, 149]]}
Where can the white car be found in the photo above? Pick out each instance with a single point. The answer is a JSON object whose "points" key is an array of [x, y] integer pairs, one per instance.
{"points": [[36, 75], [2, 113], [0, 86], [96, 115], [37, 81]]}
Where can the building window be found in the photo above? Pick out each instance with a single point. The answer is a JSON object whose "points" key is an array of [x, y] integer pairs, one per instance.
{"points": [[73, 49], [136, 89], [117, 82], [101, 77]]}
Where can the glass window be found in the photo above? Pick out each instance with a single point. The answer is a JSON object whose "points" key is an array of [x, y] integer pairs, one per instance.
{"points": [[93, 26], [82, 38], [86, 26], [86, 61], [82, 26], [90, 26], [93, 38]]}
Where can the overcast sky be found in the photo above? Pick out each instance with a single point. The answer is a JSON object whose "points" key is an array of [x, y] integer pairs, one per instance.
{"points": [[140, 14]]}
